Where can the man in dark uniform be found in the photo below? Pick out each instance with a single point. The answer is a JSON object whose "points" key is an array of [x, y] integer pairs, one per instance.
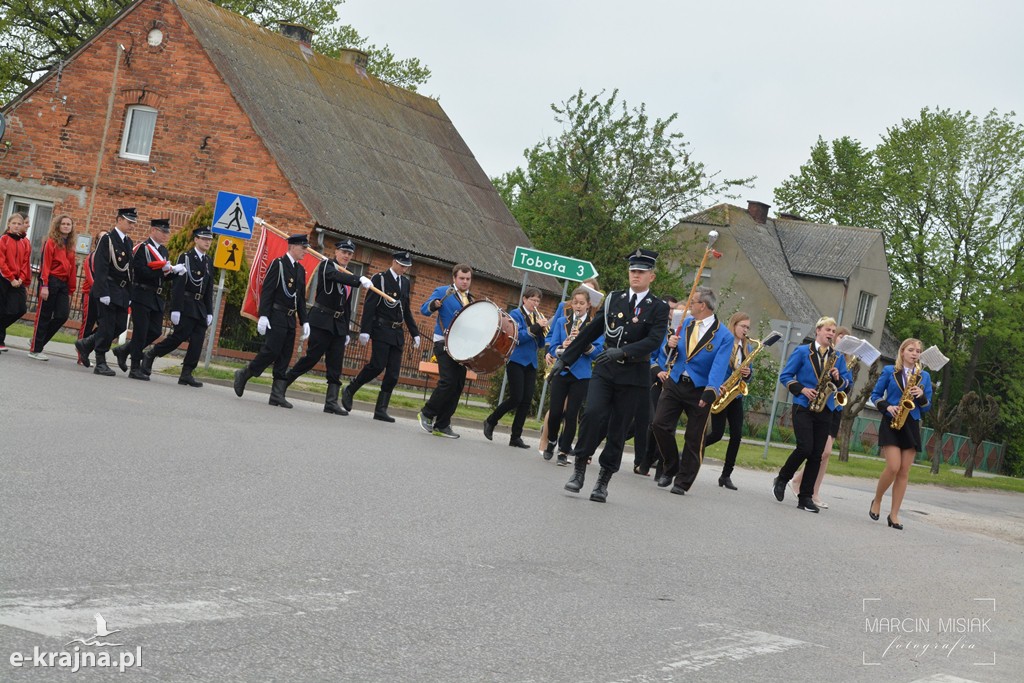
{"points": [[151, 269], [382, 322], [191, 309], [329, 322], [282, 297], [113, 276], [634, 323]]}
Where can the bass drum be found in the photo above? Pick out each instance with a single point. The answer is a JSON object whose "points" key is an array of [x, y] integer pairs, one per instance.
{"points": [[481, 337]]}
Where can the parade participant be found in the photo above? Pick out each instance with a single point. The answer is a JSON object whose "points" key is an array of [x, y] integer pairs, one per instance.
{"points": [[382, 323], [15, 274], [151, 267], [436, 415], [808, 371], [89, 304], [57, 280], [521, 368], [329, 322], [282, 298], [702, 364], [739, 325], [569, 387], [191, 310], [113, 272], [645, 448], [903, 392], [837, 421], [633, 323]]}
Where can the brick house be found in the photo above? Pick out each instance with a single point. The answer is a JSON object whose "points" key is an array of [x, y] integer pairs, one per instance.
{"points": [[174, 100]]}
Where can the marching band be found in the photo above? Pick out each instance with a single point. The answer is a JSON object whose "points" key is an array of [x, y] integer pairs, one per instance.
{"points": [[603, 358]]}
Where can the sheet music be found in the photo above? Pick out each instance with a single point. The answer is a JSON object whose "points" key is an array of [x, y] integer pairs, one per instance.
{"points": [[596, 297], [933, 359], [858, 347], [677, 318]]}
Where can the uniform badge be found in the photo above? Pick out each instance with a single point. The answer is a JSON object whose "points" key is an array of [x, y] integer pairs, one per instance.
{"points": [[620, 314], [636, 320]]}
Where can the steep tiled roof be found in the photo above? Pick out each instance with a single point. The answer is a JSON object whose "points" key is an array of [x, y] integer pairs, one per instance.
{"points": [[366, 158], [827, 251]]}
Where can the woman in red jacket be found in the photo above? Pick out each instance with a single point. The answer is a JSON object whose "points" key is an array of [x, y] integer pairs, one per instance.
{"points": [[56, 284], [15, 274]]}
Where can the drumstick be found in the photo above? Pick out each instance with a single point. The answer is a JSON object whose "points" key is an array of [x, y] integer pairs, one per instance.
{"points": [[282, 233]]}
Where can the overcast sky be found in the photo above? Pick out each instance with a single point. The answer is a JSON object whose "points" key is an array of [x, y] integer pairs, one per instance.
{"points": [[754, 82]]}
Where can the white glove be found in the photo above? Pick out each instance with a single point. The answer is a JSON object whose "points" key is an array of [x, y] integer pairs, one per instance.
{"points": [[416, 342], [364, 282], [263, 325], [166, 268], [175, 317], [347, 340], [209, 319], [305, 332], [105, 300], [364, 338], [178, 268]]}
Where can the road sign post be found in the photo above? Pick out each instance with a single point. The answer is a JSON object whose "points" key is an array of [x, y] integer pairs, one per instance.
{"points": [[793, 335], [555, 265], [233, 218]]}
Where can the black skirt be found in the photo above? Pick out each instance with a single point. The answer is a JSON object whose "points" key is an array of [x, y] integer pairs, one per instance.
{"points": [[907, 437], [837, 419], [13, 300]]}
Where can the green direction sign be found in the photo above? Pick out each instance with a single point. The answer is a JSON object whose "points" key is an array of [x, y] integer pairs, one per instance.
{"points": [[555, 265]]}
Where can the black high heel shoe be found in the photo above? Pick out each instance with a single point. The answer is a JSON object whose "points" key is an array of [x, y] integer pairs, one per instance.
{"points": [[893, 524], [872, 515]]}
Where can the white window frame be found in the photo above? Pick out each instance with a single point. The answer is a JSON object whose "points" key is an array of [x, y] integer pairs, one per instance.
{"points": [[865, 311], [129, 121], [37, 231]]}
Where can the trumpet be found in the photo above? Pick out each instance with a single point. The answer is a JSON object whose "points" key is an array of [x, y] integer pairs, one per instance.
{"points": [[538, 317]]}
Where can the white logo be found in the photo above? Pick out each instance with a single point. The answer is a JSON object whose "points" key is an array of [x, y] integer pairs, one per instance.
{"points": [[101, 632], [77, 658]]}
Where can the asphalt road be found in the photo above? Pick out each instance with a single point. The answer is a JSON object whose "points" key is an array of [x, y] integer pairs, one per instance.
{"points": [[227, 540]]}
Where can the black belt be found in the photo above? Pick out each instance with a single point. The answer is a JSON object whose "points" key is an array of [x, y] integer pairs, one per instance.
{"points": [[198, 296], [158, 290], [331, 312], [388, 323], [121, 284], [685, 379], [277, 307]]}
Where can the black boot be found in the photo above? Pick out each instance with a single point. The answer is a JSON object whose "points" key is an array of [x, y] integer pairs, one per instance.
{"points": [[726, 481], [84, 347], [147, 363], [380, 411], [277, 391], [600, 492], [578, 474], [241, 377], [187, 379], [136, 373], [331, 403], [121, 354], [347, 394], [101, 366]]}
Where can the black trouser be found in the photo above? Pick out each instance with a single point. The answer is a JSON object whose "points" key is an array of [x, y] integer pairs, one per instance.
{"points": [[276, 349], [51, 314], [146, 327], [733, 414], [522, 379], [649, 456], [13, 305], [191, 330], [89, 305], [321, 343], [445, 398], [567, 394], [608, 404], [677, 398], [812, 431], [111, 321], [384, 357]]}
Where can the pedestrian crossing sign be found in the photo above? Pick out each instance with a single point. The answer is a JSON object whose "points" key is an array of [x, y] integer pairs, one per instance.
{"points": [[234, 215], [229, 253]]}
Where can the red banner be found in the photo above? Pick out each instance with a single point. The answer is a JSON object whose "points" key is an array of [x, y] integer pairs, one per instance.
{"points": [[271, 245]]}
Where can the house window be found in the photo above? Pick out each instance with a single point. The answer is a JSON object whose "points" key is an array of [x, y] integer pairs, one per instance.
{"points": [[139, 124], [39, 216], [865, 311]]}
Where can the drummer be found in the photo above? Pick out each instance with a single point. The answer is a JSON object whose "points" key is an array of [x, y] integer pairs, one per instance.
{"points": [[521, 369], [436, 416]]}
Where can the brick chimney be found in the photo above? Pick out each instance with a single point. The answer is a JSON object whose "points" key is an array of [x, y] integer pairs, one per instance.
{"points": [[303, 35], [349, 55], [758, 211]]}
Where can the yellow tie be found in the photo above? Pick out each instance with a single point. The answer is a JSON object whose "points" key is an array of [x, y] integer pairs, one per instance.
{"points": [[463, 298], [691, 343]]}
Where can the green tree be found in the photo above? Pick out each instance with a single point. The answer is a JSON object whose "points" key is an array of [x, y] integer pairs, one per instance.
{"points": [[612, 180], [36, 35], [981, 414], [235, 281]]}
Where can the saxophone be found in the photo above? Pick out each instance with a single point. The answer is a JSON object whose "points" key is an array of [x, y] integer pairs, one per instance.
{"points": [[735, 386], [576, 325], [826, 387], [907, 400]]}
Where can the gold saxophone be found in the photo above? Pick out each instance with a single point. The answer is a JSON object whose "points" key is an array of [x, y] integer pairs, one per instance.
{"points": [[826, 387], [735, 386], [907, 400], [576, 325]]}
